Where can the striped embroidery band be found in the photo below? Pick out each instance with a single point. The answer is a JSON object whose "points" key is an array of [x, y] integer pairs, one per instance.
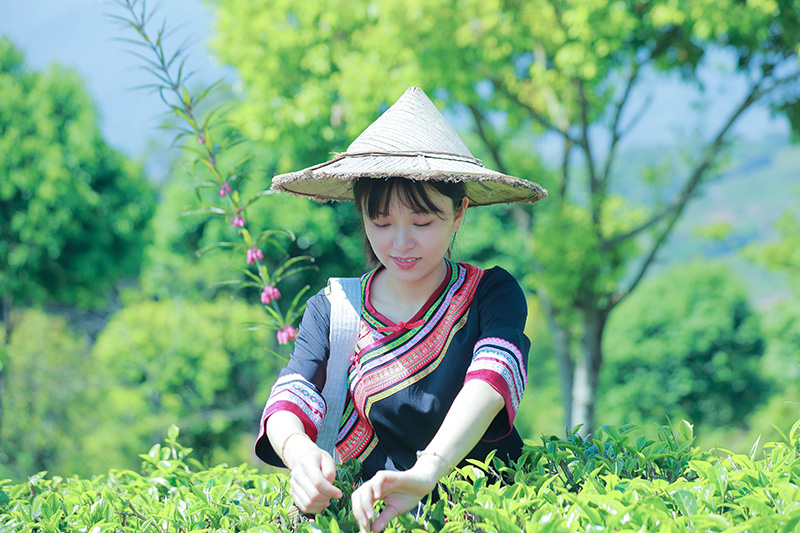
{"points": [[500, 357], [298, 391]]}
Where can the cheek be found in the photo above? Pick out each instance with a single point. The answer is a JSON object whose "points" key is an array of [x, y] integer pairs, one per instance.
{"points": [[377, 240]]}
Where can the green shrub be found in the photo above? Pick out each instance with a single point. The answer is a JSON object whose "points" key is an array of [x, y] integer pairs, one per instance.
{"points": [[193, 364], [618, 481], [687, 344], [48, 399]]}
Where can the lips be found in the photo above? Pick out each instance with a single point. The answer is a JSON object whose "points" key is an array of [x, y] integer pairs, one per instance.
{"points": [[405, 263]]}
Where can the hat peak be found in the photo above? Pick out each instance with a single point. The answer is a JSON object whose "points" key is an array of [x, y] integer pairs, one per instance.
{"points": [[412, 124]]}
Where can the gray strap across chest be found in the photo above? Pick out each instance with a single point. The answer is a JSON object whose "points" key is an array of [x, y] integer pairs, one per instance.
{"points": [[345, 297]]}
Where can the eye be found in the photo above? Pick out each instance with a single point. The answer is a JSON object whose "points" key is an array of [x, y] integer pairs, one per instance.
{"points": [[380, 225], [422, 224]]}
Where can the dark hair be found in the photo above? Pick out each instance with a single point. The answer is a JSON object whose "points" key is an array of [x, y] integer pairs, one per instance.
{"points": [[373, 196]]}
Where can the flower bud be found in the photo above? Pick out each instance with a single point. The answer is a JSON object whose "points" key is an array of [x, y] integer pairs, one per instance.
{"points": [[288, 333], [270, 293]]}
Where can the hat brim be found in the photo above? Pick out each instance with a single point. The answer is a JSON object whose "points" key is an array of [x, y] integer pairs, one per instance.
{"points": [[333, 180]]}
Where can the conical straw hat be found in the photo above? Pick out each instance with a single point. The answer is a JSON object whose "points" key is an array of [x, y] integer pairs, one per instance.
{"points": [[410, 140]]}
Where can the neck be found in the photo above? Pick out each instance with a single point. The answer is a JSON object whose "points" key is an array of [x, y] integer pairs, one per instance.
{"points": [[408, 296]]}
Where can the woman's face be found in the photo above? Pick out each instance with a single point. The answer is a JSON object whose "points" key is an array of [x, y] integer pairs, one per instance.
{"points": [[411, 245]]}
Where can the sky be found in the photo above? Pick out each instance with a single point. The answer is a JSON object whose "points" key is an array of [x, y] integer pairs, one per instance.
{"points": [[78, 34]]}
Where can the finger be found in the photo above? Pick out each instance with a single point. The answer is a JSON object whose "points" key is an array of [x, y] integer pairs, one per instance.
{"points": [[358, 506], [363, 501], [312, 498], [328, 471], [300, 498], [384, 483], [386, 516], [314, 483]]}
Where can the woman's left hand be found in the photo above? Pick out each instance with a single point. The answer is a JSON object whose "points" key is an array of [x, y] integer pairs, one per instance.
{"points": [[400, 491]]}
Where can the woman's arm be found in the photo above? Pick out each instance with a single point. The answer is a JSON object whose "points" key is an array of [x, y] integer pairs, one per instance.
{"points": [[473, 409], [312, 469]]}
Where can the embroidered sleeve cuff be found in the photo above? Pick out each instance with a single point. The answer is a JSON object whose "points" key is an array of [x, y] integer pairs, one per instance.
{"points": [[296, 394], [500, 364]]}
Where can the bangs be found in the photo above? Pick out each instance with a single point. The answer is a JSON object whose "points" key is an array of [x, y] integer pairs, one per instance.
{"points": [[374, 195]]}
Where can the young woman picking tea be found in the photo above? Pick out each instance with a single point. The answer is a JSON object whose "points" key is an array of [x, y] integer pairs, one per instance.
{"points": [[438, 367]]}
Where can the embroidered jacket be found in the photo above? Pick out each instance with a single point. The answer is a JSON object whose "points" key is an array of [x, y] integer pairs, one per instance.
{"points": [[404, 377]]}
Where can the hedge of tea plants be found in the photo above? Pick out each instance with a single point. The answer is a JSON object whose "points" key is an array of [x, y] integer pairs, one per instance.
{"points": [[622, 479]]}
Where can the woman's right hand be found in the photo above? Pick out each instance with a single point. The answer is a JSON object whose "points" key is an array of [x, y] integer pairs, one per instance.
{"points": [[313, 471]]}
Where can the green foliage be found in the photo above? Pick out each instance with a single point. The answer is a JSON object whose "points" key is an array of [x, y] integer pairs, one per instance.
{"points": [[781, 328], [72, 210], [315, 76], [172, 268], [220, 164], [49, 398], [576, 268], [619, 481], [783, 255], [687, 344], [175, 361]]}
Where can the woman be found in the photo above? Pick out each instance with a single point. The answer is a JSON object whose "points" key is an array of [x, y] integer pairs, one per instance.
{"points": [[439, 364]]}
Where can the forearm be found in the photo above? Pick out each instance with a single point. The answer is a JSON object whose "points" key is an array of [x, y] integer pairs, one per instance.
{"points": [[474, 408], [282, 426]]}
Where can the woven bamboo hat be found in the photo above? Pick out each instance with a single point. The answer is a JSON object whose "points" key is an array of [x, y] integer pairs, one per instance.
{"points": [[410, 140]]}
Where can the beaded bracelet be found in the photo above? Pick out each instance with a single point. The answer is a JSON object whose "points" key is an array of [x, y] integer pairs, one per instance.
{"points": [[420, 453], [286, 440]]}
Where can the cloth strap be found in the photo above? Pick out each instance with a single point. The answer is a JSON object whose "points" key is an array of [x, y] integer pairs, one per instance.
{"points": [[345, 297]]}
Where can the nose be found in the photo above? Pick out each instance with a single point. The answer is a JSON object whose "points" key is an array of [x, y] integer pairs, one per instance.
{"points": [[403, 239]]}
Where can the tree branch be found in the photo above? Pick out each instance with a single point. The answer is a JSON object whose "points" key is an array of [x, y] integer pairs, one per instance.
{"points": [[491, 145], [537, 116], [638, 117], [619, 239], [523, 218], [616, 134], [689, 190], [756, 94], [568, 145], [595, 198]]}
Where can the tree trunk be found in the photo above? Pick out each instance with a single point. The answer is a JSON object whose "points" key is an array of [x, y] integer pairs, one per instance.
{"points": [[5, 316], [563, 352], [587, 371]]}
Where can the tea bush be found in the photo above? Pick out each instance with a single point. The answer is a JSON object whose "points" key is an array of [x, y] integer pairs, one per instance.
{"points": [[620, 480]]}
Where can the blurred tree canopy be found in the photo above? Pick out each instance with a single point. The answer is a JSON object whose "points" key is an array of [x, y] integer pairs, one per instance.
{"points": [[781, 363], [52, 401], [172, 268], [686, 345], [72, 210], [315, 75], [174, 361]]}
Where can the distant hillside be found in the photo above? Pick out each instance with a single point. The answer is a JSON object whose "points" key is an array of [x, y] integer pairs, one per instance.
{"points": [[759, 183]]}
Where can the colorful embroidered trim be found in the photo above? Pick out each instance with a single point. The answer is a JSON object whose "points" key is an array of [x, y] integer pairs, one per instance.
{"points": [[493, 358], [296, 394], [386, 364]]}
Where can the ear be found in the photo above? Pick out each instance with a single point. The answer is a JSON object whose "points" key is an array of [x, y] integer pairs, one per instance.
{"points": [[459, 214]]}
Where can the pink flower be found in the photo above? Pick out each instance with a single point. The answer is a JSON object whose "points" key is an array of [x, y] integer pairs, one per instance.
{"points": [[237, 222], [288, 333], [254, 254], [201, 139], [270, 293], [225, 189]]}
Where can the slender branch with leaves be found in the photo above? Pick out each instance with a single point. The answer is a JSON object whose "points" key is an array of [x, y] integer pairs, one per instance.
{"points": [[206, 137]]}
